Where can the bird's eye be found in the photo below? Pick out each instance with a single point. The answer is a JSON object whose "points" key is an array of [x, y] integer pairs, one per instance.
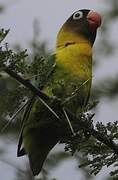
{"points": [[77, 15]]}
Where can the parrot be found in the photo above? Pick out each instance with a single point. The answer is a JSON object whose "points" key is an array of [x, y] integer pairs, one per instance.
{"points": [[70, 82]]}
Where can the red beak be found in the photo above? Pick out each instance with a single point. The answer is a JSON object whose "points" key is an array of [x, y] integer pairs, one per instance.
{"points": [[94, 20]]}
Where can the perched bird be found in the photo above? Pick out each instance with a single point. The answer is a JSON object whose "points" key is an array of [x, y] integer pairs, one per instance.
{"points": [[70, 82]]}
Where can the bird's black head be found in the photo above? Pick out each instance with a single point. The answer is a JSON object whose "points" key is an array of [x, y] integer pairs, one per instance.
{"points": [[84, 23]]}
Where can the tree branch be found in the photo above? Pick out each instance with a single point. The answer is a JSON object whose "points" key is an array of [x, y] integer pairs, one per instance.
{"points": [[26, 83], [81, 123]]}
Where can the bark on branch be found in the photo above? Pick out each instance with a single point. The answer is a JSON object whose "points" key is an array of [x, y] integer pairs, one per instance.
{"points": [[26, 83], [96, 134]]}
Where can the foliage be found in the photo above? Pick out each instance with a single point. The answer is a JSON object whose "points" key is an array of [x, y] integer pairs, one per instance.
{"points": [[86, 147], [98, 153]]}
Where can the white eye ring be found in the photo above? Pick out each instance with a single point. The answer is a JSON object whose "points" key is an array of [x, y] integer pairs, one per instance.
{"points": [[77, 15]]}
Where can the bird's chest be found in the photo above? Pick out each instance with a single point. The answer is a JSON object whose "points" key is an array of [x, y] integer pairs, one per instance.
{"points": [[77, 59], [72, 77]]}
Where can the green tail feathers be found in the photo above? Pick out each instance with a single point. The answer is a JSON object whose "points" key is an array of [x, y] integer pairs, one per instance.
{"points": [[39, 133]]}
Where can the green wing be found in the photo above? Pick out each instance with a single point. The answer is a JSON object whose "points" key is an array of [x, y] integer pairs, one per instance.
{"points": [[20, 149], [46, 67]]}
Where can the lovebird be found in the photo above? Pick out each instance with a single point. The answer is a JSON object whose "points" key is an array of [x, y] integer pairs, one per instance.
{"points": [[70, 82]]}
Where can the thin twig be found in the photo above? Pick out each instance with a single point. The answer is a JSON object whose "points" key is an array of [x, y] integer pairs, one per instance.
{"points": [[26, 83], [69, 123], [76, 91], [50, 108], [14, 116], [99, 136], [43, 97], [96, 134]]}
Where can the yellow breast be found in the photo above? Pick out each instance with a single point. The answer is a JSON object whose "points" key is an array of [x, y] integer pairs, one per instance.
{"points": [[77, 58]]}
